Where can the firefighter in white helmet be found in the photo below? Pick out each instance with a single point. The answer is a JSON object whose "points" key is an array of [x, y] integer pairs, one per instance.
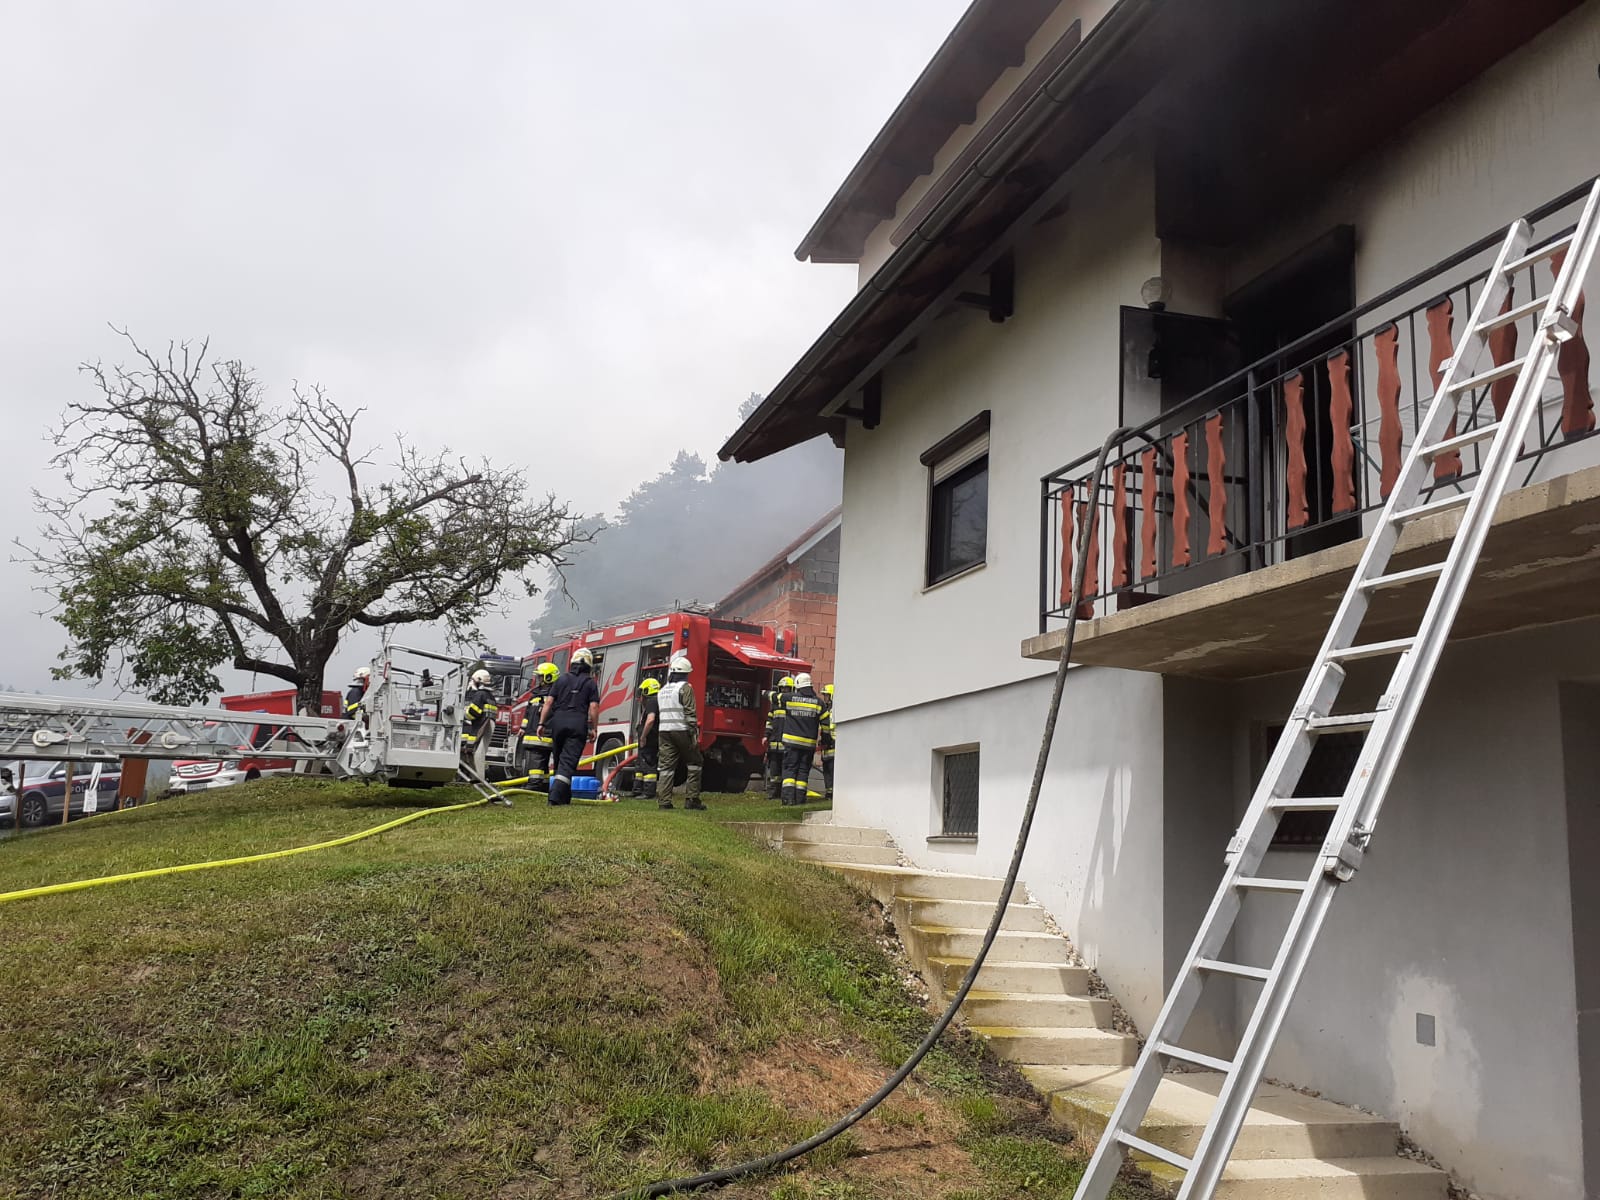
{"points": [[356, 690], [680, 737], [802, 725], [570, 716], [477, 721]]}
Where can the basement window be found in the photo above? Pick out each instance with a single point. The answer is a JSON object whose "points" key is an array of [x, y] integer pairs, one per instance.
{"points": [[958, 785], [1326, 773], [958, 501]]}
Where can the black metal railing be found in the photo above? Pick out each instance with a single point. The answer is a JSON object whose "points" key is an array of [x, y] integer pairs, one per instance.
{"points": [[1290, 453]]}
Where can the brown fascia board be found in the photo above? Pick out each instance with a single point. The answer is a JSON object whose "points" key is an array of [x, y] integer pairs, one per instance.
{"points": [[990, 36], [998, 195]]}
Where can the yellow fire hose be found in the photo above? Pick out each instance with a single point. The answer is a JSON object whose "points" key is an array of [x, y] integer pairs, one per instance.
{"points": [[79, 885]]}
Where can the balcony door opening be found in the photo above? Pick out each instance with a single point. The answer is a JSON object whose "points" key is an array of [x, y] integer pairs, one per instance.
{"points": [[1303, 293]]}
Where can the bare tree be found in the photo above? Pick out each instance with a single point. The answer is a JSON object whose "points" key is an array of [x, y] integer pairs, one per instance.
{"points": [[201, 525]]}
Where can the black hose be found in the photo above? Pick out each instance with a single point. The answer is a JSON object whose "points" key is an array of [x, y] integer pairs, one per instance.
{"points": [[777, 1158]]}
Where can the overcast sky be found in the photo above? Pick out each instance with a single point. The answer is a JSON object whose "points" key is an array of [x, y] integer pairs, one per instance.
{"points": [[517, 229]]}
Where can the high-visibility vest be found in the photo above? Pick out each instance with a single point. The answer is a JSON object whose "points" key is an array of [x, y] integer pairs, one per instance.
{"points": [[674, 718]]}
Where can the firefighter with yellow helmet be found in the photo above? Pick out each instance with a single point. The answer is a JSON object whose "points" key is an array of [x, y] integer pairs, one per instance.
{"points": [[536, 746], [570, 717], [774, 763], [649, 738]]}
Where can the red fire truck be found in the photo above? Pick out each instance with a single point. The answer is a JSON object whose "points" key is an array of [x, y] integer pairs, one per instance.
{"points": [[253, 760], [735, 665]]}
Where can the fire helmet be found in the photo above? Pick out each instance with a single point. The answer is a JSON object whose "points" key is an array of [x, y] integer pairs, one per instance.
{"points": [[680, 666], [786, 682], [363, 672], [827, 689], [583, 655], [482, 678], [802, 680], [547, 671], [650, 687]]}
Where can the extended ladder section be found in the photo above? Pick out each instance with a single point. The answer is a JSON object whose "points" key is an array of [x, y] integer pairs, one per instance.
{"points": [[1384, 728], [87, 730]]}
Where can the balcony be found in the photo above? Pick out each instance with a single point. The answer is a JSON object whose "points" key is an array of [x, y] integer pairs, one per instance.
{"points": [[1225, 529]]}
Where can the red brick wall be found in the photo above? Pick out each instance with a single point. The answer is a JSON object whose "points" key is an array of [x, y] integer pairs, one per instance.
{"points": [[802, 597], [812, 615]]}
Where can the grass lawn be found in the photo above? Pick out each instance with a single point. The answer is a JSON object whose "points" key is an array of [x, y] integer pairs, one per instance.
{"points": [[527, 1003]]}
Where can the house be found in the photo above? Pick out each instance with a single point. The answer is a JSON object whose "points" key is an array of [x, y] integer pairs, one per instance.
{"points": [[1250, 232], [797, 593]]}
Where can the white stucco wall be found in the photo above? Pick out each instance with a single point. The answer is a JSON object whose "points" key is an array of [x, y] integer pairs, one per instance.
{"points": [[1095, 857], [1049, 378], [1462, 911]]}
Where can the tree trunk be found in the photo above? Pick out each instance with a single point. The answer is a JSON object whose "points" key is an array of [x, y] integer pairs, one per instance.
{"points": [[310, 700]]}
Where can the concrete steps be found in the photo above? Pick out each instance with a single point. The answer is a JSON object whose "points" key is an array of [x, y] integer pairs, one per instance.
{"points": [[832, 852], [1032, 1005]]}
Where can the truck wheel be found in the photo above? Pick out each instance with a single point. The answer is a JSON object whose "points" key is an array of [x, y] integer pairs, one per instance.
{"points": [[35, 810]]}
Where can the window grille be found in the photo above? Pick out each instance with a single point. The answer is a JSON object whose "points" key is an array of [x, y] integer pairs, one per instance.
{"points": [[960, 784]]}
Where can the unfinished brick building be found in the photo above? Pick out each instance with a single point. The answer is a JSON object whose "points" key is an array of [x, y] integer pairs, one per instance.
{"points": [[798, 592]]}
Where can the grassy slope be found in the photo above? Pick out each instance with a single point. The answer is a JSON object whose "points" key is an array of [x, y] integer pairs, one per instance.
{"points": [[488, 1003]]}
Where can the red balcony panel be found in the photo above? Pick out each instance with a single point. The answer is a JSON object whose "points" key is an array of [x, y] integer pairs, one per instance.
{"points": [[1440, 319], [1572, 365], [1343, 450], [1502, 349], [1147, 508], [1067, 545], [1119, 527], [1090, 513], [1386, 344], [1217, 491], [1180, 500], [1294, 427]]}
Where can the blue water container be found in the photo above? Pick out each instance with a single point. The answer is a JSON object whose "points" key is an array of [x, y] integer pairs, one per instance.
{"points": [[585, 787]]}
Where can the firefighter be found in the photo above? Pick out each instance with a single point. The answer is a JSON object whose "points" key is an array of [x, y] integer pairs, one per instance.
{"points": [[570, 716], [825, 740], [680, 737], [477, 721], [535, 745], [802, 723], [356, 690], [775, 699], [644, 767]]}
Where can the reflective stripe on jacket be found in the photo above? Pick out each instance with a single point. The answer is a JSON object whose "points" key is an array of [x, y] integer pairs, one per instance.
{"points": [[802, 718]]}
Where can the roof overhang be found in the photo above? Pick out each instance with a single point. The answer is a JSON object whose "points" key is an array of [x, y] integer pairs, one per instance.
{"points": [[1234, 146], [991, 37]]}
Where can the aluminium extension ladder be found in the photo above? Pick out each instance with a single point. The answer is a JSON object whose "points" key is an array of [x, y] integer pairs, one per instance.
{"points": [[1387, 727]]}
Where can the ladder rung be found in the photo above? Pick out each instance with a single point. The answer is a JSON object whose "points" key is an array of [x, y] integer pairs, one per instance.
{"points": [[1134, 1142], [1489, 376], [1401, 578], [1344, 722], [1219, 967], [1442, 504], [1194, 1057], [1260, 883], [1372, 650], [1476, 434], [1514, 314], [1304, 804], [1543, 252]]}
